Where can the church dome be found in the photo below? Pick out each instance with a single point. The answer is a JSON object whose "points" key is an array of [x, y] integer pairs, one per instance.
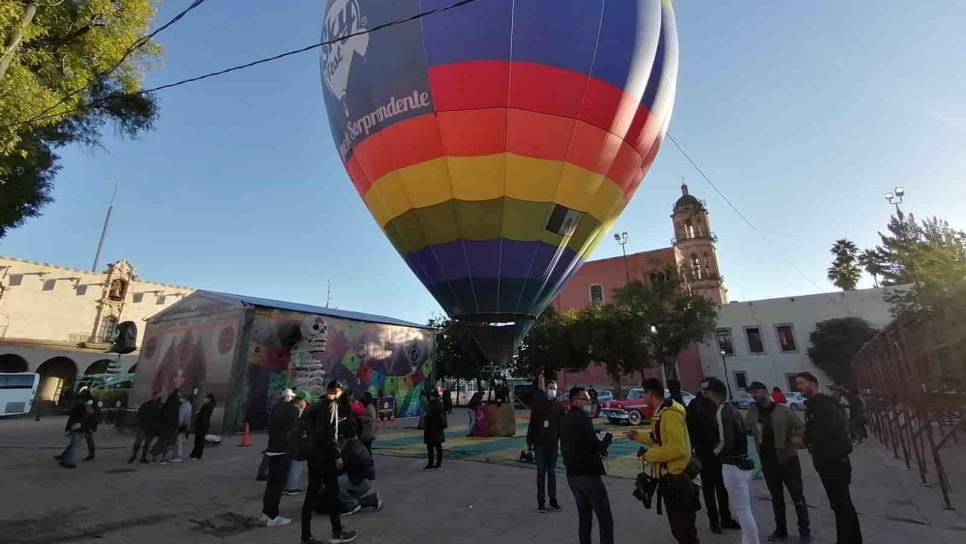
{"points": [[687, 200]]}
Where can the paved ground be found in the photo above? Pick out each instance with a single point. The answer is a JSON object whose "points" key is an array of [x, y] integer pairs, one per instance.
{"points": [[213, 501]]}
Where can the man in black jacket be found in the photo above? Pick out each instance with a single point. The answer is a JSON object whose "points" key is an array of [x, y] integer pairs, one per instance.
{"points": [[78, 423], [543, 436], [827, 438], [703, 432], [325, 462], [280, 426], [149, 415], [582, 452], [167, 427]]}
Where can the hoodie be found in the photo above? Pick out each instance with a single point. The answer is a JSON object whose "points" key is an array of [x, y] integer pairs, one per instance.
{"points": [[670, 446]]}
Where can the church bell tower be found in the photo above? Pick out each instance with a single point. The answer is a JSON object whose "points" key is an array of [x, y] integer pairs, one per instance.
{"points": [[695, 244]]}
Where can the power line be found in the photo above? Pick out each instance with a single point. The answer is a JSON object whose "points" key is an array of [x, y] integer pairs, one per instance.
{"points": [[254, 62], [741, 215], [139, 43]]}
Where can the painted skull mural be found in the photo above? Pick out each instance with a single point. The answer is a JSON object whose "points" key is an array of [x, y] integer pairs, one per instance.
{"points": [[289, 349]]}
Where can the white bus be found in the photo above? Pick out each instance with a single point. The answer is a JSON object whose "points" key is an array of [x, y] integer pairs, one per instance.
{"points": [[17, 391]]}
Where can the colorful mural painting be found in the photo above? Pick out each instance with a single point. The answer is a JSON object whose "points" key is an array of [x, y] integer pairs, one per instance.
{"points": [[292, 349], [246, 350]]}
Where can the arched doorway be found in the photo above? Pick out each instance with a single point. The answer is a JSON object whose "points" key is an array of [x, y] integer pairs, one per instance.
{"points": [[12, 363], [57, 377], [98, 367]]}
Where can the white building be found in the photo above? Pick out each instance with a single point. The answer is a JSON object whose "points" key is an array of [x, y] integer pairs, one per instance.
{"points": [[768, 340]]}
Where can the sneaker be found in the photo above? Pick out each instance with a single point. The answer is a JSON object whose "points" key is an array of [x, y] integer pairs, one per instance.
{"points": [[176, 459], [778, 536], [65, 465], [541, 509], [344, 536], [291, 492], [163, 462], [277, 522], [352, 510], [263, 519], [805, 538]]}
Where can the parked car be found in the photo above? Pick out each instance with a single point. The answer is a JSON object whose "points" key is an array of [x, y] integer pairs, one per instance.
{"points": [[743, 402], [632, 410], [795, 401]]}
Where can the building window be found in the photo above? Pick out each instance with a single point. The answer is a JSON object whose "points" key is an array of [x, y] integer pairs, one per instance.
{"points": [[792, 382], [108, 324], [49, 285], [596, 294], [688, 230], [80, 290], [160, 300], [695, 267], [741, 379], [725, 342], [755, 344], [137, 298], [15, 280], [786, 338]]}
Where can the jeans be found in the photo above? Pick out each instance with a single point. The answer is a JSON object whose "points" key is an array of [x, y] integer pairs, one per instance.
{"points": [[472, 415], [352, 494], [67, 458], [318, 478], [682, 525], [836, 477], [277, 472], [737, 482], [715, 494], [546, 470], [591, 497], [89, 438], [180, 439], [295, 471], [780, 476]]}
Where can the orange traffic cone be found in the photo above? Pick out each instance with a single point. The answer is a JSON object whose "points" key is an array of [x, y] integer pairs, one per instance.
{"points": [[246, 438]]}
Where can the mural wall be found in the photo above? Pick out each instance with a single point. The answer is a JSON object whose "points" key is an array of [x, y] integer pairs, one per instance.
{"points": [[291, 349], [194, 351]]}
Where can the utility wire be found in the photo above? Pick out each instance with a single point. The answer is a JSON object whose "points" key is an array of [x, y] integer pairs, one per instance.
{"points": [[248, 64], [743, 216], [139, 43]]}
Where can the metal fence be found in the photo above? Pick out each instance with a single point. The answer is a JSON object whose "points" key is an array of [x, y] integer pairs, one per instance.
{"points": [[912, 376]]}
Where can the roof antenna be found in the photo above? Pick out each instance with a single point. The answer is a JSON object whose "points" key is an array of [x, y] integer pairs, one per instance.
{"points": [[107, 219], [328, 294]]}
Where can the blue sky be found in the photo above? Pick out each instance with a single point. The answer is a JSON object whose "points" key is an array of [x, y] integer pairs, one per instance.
{"points": [[802, 113]]}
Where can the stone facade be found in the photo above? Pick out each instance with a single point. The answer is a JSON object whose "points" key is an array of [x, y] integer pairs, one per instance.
{"points": [[58, 321]]}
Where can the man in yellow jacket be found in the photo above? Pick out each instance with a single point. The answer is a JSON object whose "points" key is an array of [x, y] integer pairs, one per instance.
{"points": [[668, 448]]}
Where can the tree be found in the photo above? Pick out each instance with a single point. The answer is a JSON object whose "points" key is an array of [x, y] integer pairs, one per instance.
{"points": [[896, 249], [669, 317], [552, 346], [936, 260], [66, 69], [844, 272], [833, 344], [458, 354], [871, 261]]}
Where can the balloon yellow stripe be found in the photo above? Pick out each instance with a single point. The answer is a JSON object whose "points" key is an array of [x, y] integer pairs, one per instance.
{"points": [[493, 176], [504, 217]]}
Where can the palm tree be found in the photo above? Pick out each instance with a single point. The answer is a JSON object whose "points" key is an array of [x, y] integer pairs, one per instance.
{"points": [[844, 275], [844, 272], [871, 261]]}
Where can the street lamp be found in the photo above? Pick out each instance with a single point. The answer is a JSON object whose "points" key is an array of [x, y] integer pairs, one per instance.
{"points": [[724, 362], [622, 240], [895, 198]]}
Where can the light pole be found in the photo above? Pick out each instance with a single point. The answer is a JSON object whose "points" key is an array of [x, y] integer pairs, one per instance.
{"points": [[724, 362], [895, 198], [622, 240]]}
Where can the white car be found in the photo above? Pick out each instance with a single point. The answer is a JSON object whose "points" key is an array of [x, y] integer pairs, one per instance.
{"points": [[795, 401]]}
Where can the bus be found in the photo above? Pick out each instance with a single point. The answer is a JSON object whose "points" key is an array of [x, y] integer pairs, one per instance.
{"points": [[17, 391]]}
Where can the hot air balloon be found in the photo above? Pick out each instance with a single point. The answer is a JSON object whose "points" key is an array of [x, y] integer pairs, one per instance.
{"points": [[496, 142]]}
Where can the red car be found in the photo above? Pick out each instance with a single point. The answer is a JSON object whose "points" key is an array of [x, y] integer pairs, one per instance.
{"points": [[629, 410]]}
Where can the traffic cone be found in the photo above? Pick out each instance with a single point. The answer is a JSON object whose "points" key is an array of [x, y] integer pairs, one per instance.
{"points": [[246, 438]]}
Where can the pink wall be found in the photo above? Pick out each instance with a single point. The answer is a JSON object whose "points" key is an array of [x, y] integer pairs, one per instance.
{"points": [[610, 274]]}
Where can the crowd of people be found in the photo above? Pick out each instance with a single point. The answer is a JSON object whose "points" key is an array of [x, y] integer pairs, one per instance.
{"points": [[710, 439]]}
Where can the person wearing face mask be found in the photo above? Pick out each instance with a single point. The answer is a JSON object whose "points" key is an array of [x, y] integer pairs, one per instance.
{"points": [[582, 452], [543, 436]]}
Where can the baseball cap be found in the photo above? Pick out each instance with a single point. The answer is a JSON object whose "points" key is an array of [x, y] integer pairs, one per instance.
{"points": [[756, 386], [304, 395], [288, 393]]}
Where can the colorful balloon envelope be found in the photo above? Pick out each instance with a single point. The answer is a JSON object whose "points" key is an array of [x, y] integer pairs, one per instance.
{"points": [[495, 143]]}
